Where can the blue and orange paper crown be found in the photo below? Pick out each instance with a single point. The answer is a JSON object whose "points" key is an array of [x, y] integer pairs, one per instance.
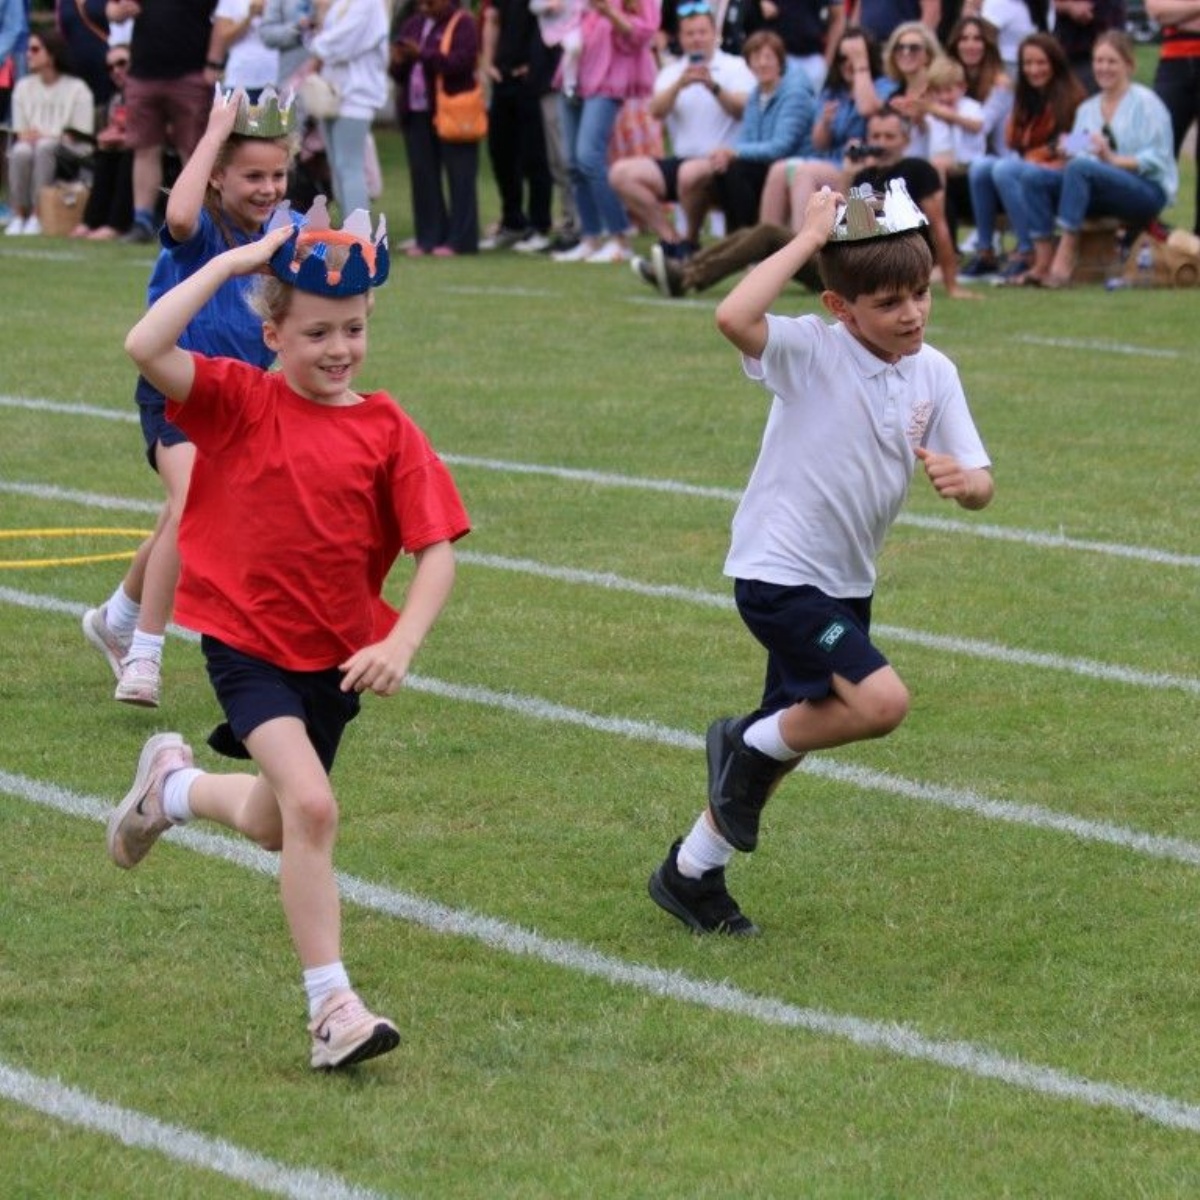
{"points": [[364, 269]]}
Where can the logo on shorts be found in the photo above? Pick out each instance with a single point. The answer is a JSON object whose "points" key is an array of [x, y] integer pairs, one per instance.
{"points": [[832, 634]]}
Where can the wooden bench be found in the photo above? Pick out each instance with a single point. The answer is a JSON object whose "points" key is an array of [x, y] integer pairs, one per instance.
{"points": [[1099, 250]]}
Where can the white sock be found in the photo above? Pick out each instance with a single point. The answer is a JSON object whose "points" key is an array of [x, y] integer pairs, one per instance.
{"points": [[146, 645], [702, 849], [319, 982], [765, 736], [121, 613], [175, 794]]}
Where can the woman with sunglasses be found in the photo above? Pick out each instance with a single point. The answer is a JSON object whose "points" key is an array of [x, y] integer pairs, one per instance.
{"points": [[1044, 103], [907, 56], [45, 104], [109, 210], [1121, 164]]}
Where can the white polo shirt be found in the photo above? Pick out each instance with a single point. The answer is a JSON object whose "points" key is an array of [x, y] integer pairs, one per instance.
{"points": [[837, 454], [697, 124]]}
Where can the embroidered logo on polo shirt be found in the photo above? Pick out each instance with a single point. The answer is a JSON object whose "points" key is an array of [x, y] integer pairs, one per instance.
{"points": [[831, 635]]}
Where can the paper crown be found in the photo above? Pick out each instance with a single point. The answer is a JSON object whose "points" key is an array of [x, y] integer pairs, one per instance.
{"points": [[366, 266], [869, 215], [272, 117]]}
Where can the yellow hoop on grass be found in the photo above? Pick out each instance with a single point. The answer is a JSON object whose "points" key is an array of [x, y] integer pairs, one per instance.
{"points": [[10, 535]]}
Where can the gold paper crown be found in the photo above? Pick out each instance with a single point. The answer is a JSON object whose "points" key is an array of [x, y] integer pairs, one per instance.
{"points": [[869, 215], [272, 117]]}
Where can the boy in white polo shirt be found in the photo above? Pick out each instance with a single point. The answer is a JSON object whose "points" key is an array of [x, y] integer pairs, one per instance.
{"points": [[857, 404]]}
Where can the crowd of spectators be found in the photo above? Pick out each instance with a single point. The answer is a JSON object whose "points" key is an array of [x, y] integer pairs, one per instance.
{"points": [[1026, 112]]}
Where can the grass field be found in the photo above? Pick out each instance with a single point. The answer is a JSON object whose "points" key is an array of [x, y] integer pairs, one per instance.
{"points": [[978, 969]]}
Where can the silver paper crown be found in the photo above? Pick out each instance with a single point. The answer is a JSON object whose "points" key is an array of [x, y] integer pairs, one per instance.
{"points": [[866, 214], [366, 266], [272, 117]]}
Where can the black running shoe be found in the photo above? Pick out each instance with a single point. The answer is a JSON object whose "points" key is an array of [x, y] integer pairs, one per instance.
{"points": [[740, 780], [703, 905]]}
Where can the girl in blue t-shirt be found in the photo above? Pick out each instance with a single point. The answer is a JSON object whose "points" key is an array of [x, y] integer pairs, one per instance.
{"points": [[223, 197]]}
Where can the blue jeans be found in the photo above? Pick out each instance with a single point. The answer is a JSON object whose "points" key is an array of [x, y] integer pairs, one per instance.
{"points": [[986, 203], [1029, 193], [345, 147], [1090, 187], [587, 126]]}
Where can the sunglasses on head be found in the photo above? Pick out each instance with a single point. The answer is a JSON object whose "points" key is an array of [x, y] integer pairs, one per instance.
{"points": [[695, 8]]}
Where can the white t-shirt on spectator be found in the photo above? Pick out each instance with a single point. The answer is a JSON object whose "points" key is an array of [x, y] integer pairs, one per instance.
{"points": [[250, 63], [697, 124]]}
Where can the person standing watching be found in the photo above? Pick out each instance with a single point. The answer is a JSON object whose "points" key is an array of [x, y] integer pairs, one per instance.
{"points": [[176, 57]]}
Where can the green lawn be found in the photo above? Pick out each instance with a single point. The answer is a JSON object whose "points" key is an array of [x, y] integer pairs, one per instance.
{"points": [[977, 974]]}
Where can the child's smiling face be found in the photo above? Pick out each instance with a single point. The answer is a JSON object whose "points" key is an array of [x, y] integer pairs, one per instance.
{"points": [[321, 343], [253, 182]]}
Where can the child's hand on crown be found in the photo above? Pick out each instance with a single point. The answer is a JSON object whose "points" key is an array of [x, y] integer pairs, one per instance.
{"points": [[254, 256], [224, 112], [821, 213]]}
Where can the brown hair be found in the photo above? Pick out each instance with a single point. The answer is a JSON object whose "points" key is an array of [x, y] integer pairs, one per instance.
{"points": [[900, 262], [1121, 42], [983, 78], [765, 39]]}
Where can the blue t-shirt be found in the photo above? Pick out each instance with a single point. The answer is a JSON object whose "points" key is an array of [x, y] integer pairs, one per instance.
{"points": [[225, 327]]}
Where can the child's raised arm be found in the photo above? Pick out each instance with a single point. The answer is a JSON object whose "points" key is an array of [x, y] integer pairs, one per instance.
{"points": [[187, 194], [742, 315], [152, 342]]}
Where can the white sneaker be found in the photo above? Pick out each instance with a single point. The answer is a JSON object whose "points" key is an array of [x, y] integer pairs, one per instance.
{"points": [[344, 1032], [112, 646], [580, 253], [140, 682], [138, 821], [611, 252], [535, 243], [33, 227], [15, 227]]}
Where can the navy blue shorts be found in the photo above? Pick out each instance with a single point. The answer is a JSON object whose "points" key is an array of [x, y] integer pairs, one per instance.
{"points": [[809, 637], [156, 428], [252, 691]]}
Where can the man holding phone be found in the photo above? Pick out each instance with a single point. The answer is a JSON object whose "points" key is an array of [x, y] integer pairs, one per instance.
{"points": [[700, 98]]}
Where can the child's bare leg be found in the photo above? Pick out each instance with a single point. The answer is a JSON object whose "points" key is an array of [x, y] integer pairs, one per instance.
{"points": [[309, 818], [162, 566], [244, 803], [851, 713]]}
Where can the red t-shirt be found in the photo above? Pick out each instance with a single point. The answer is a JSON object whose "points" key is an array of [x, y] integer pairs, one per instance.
{"points": [[296, 512]]}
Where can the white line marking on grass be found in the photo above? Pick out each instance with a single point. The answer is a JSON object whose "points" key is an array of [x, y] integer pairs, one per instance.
{"points": [[1024, 537], [955, 799], [144, 1132], [1104, 346], [970, 647], [889, 1037]]}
